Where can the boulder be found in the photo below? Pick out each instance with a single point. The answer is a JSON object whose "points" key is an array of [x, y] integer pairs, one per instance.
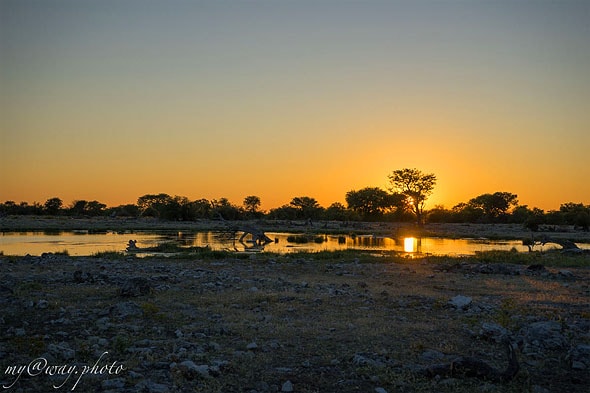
{"points": [[136, 286], [460, 302], [541, 336]]}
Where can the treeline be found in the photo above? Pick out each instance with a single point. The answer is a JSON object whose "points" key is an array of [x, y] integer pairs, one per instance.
{"points": [[368, 204]]}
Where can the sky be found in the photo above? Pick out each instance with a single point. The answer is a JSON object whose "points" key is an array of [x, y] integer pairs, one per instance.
{"points": [[110, 100]]}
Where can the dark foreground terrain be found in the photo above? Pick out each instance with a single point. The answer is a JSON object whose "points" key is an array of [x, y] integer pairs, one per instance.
{"points": [[340, 322]]}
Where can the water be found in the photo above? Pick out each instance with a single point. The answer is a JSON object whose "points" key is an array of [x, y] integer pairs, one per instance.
{"points": [[84, 243]]}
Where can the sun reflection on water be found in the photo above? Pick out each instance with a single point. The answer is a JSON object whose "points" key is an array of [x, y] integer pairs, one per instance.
{"points": [[410, 244]]}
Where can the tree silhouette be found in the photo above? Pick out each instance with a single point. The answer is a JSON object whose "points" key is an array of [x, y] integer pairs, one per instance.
{"points": [[415, 186], [251, 204], [53, 205], [153, 204], [308, 207], [494, 206], [371, 202]]}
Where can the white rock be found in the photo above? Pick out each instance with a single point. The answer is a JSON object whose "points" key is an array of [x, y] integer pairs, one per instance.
{"points": [[191, 367], [287, 387], [566, 273], [461, 302]]}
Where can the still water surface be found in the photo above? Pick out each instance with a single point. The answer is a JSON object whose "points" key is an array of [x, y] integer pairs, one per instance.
{"points": [[84, 243]]}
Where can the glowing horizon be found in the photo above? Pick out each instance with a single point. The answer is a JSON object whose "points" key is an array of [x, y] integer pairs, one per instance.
{"points": [[113, 100]]}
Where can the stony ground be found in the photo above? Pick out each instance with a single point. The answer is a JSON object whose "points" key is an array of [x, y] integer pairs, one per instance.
{"points": [[341, 322]]}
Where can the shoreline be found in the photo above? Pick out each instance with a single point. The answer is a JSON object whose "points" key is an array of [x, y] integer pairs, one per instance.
{"points": [[442, 230]]}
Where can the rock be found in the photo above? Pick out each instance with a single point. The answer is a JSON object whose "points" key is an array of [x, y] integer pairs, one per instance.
{"points": [[539, 336], [496, 268], [361, 360], [136, 286], [151, 387], [493, 331], [61, 321], [287, 387], [380, 390], [189, 368], [576, 365], [103, 323], [448, 382], [539, 389], [566, 274], [19, 332], [61, 351], [580, 357], [126, 309], [372, 360], [5, 291], [252, 346], [117, 383], [430, 355], [537, 267], [81, 277], [262, 386], [460, 302]]}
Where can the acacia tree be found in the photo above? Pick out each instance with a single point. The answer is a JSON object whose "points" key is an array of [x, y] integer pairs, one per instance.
{"points": [[307, 207], [252, 204], [153, 204], [337, 211], [415, 186], [494, 206], [53, 205], [370, 202], [92, 208], [225, 209]]}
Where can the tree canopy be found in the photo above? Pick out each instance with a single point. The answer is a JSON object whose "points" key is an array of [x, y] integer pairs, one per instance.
{"points": [[372, 202], [496, 205], [415, 186]]}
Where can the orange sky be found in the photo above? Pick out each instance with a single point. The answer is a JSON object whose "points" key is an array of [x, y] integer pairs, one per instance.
{"points": [[110, 100]]}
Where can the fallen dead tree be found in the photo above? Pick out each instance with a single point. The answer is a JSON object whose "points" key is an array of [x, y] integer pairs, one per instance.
{"points": [[566, 245], [258, 237]]}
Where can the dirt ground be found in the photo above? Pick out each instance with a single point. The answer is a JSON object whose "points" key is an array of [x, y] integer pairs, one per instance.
{"points": [[330, 322]]}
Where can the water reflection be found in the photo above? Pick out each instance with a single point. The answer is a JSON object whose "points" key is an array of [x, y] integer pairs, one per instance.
{"points": [[410, 244], [36, 243]]}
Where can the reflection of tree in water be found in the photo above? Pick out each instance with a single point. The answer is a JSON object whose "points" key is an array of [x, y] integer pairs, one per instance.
{"points": [[227, 235], [185, 239], [369, 241]]}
